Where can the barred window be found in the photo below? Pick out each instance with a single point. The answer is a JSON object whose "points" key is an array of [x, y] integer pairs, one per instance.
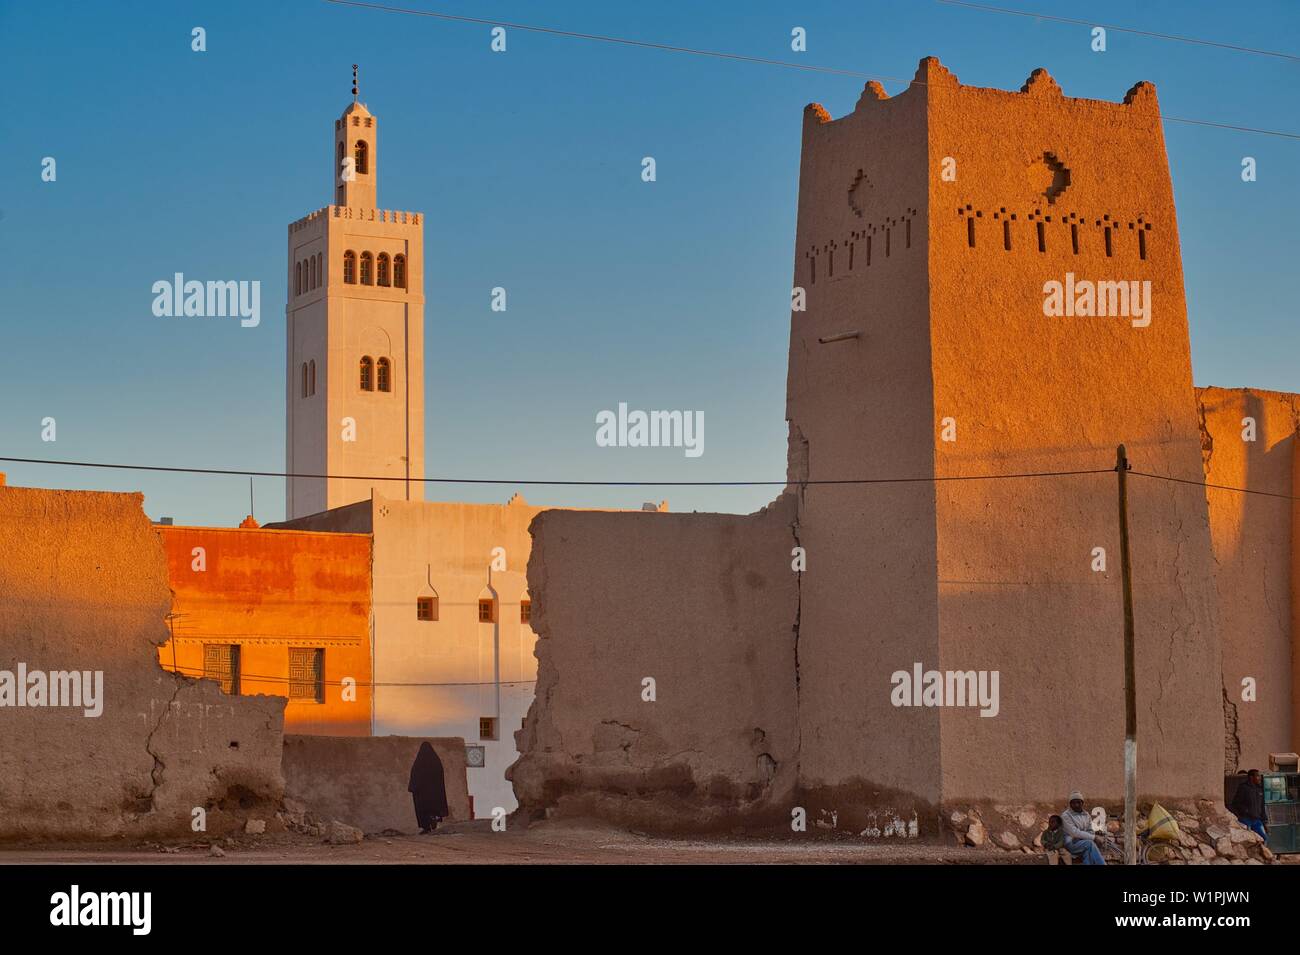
{"points": [[350, 268], [426, 608], [367, 374], [399, 271], [307, 674], [362, 156], [487, 727], [367, 269], [221, 663], [383, 268], [486, 610], [383, 374], [525, 611]]}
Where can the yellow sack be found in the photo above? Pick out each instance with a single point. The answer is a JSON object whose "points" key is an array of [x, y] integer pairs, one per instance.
{"points": [[1160, 826]]}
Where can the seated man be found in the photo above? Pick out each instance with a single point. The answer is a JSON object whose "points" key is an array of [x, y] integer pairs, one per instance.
{"points": [[1080, 840], [1248, 804]]}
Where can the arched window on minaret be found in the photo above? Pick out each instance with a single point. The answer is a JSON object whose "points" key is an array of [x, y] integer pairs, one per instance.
{"points": [[320, 268], [304, 379], [311, 377], [367, 269], [383, 374], [297, 278], [350, 267], [367, 374], [383, 268], [362, 156], [399, 271], [311, 265]]}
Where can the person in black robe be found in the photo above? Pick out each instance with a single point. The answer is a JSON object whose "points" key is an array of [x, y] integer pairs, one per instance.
{"points": [[428, 789]]}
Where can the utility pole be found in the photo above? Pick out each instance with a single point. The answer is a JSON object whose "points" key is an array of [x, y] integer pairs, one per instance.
{"points": [[1130, 682]]}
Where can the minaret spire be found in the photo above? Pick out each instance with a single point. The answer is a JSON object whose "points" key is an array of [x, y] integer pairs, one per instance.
{"points": [[354, 82]]}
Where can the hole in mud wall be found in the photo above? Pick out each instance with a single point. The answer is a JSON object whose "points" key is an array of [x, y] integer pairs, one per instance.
{"points": [[970, 232], [1074, 237], [238, 797], [1042, 239]]}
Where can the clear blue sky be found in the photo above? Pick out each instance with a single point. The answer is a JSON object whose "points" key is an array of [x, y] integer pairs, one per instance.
{"points": [[527, 166]]}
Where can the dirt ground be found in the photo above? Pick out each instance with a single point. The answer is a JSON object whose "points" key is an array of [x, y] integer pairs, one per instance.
{"points": [[542, 843], [548, 843]]}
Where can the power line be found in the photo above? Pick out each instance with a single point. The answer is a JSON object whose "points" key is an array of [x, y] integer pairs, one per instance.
{"points": [[764, 61], [438, 480], [1217, 487], [1090, 23], [625, 41], [569, 483]]}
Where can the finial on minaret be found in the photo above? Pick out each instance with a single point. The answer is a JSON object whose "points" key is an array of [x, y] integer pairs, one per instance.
{"points": [[354, 82]]}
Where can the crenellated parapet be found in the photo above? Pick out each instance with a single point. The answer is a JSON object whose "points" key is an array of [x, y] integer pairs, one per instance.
{"points": [[391, 216]]}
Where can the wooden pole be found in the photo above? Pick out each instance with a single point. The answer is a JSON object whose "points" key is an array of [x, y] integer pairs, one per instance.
{"points": [[1130, 681]]}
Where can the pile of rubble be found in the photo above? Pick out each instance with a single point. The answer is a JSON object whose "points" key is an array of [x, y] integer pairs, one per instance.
{"points": [[296, 817], [1208, 833]]}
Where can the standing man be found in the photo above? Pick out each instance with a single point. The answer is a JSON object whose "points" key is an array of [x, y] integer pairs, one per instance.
{"points": [[1080, 840], [1248, 804]]}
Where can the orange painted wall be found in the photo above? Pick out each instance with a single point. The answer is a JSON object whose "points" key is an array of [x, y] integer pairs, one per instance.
{"points": [[269, 591]]}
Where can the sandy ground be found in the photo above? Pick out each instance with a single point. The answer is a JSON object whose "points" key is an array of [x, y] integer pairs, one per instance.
{"points": [[548, 843]]}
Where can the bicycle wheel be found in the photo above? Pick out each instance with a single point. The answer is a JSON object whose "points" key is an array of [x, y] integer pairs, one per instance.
{"points": [[1156, 853]]}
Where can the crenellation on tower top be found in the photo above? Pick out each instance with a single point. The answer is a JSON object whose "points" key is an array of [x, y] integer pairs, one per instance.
{"points": [[873, 92], [1040, 83]]}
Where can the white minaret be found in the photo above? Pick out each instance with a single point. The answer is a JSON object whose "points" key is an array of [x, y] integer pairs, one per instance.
{"points": [[355, 337]]}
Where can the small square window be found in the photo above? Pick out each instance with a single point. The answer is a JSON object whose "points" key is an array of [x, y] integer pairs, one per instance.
{"points": [[487, 611], [426, 608], [525, 611], [487, 727]]}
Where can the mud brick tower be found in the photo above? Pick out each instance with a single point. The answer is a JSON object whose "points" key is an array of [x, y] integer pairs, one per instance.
{"points": [[929, 225]]}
